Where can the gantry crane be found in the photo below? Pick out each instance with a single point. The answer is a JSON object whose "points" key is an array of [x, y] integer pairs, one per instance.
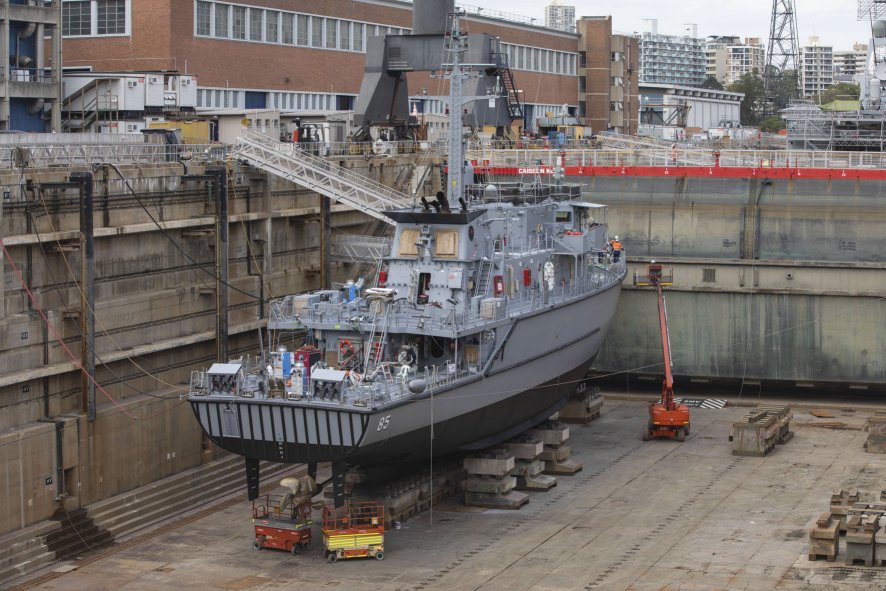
{"points": [[666, 417]]}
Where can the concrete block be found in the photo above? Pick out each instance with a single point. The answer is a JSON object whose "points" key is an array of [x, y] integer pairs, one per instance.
{"points": [[582, 410], [525, 447], [536, 483], [555, 454], [860, 539], [489, 485], [551, 432], [565, 468], [879, 545], [841, 503], [511, 500], [755, 435], [497, 463], [824, 538], [527, 468]]}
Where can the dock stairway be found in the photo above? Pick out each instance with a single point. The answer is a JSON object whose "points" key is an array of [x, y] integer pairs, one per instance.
{"points": [[290, 162], [115, 519], [512, 95]]}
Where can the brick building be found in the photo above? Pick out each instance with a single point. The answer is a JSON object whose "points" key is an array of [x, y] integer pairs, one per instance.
{"points": [[609, 64], [297, 56]]}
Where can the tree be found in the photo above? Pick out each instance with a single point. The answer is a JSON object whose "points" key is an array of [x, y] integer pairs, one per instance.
{"points": [[772, 124], [711, 83], [841, 90], [787, 89], [751, 85]]}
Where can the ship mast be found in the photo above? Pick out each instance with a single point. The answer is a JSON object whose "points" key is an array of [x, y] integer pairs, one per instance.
{"points": [[457, 46]]}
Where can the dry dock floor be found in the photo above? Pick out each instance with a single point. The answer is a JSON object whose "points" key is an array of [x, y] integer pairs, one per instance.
{"points": [[654, 515]]}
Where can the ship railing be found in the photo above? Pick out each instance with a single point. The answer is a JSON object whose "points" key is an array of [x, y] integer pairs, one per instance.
{"points": [[199, 385], [543, 161], [446, 317]]}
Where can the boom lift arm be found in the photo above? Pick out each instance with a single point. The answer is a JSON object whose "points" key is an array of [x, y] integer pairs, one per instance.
{"points": [[666, 417]]}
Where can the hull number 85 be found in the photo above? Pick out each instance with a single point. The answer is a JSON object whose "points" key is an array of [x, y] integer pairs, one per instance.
{"points": [[383, 422]]}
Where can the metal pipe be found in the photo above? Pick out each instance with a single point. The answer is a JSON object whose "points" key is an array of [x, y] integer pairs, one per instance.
{"points": [[87, 281], [220, 182]]}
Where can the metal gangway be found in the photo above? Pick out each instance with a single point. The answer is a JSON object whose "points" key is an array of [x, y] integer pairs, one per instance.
{"points": [[318, 174]]}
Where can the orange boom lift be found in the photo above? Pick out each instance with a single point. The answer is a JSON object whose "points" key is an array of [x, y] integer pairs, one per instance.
{"points": [[666, 418]]}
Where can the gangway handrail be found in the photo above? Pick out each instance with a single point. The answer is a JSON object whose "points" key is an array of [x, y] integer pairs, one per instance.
{"points": [[290, 162]]}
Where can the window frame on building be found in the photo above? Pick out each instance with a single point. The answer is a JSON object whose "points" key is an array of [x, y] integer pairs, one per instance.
{"points": [[95, 17]]}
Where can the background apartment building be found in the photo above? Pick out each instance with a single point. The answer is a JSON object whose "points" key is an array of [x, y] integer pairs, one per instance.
{"points": [[608, 82], [560, 16], [850, 62], [728, 58], [816, 67], [671, 59]]}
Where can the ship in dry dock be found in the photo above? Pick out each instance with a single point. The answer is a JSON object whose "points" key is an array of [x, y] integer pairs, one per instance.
{"points": [[482, 319]]}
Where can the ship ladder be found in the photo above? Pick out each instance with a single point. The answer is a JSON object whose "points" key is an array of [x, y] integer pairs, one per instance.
{"points": [[375, 351], [483, 277]]}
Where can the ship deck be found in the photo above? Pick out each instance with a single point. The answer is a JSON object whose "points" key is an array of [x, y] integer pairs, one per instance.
{"points": [[654, 515]]}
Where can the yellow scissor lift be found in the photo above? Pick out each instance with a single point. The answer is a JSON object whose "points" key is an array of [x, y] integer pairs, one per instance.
{"points": [[353, 531]]}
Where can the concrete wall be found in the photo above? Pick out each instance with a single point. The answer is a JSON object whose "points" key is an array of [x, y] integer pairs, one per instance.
{"points": [[155, 318], [776, 281]]}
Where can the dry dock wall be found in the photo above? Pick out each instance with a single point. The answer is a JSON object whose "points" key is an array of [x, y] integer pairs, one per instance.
{"points": [[155, 299], [774, 280]]}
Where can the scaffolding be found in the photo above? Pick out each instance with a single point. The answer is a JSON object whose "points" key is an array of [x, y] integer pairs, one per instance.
{"points": [[811, 128]]}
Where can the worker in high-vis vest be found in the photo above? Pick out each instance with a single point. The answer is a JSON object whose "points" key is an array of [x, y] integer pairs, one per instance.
{"points": [[616, 248]]}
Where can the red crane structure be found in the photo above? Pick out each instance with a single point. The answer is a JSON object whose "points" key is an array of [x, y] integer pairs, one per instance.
{"points": [[666, 417]]}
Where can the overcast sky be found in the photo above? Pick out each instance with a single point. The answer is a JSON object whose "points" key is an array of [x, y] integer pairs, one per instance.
{"points": [[833, 21]]}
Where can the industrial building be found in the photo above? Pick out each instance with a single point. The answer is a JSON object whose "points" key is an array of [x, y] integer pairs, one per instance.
{"points": [[608, 95], [703, 108], [303, 57], [31, 69]]}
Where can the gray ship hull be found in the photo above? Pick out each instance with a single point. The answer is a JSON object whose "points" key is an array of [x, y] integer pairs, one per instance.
{"points": [[541, 364]]}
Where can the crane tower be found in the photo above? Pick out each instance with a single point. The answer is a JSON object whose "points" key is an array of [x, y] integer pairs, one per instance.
{"points": [[783, 46]]}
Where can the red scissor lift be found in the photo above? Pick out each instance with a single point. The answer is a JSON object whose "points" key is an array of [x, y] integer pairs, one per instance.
{"points": [[281, 525]]}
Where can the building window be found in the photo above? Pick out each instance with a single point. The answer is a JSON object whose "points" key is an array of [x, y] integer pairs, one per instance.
{"points": [[302, 31], [288, 30], [204, 18], [77, 18], [271, 19], [358, 36], [331, 33], [239, 23], [221, 20], [316, 31], [111, 17], [255, 24], [344, 32], [90, 18]]}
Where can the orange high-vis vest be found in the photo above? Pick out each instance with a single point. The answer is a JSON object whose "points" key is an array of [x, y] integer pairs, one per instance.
{"points": [[616, 245]]}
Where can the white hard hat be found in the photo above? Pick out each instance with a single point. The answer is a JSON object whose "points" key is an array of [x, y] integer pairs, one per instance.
{"points": [[616, 237]]}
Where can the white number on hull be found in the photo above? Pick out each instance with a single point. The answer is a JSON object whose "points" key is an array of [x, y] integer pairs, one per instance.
{"points": [[383, 423]]}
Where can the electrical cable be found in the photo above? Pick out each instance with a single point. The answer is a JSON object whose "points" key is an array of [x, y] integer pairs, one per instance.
{"points": [[92, 309], [64, 345]]}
